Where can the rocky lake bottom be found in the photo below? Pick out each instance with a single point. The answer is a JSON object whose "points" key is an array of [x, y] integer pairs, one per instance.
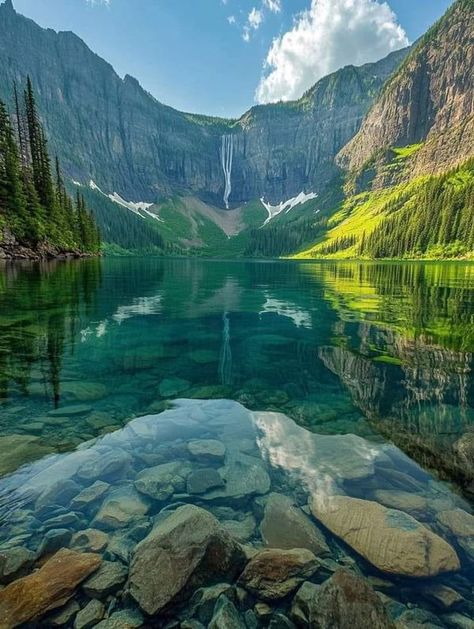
{"points": [[192, 444]]}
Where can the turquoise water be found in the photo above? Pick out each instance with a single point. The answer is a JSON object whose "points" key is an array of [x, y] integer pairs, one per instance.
{"points": [[369, 363]]}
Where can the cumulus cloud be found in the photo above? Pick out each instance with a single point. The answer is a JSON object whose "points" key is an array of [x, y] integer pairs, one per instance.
{"points": [[328, 36], [94, 3], [231, 19]]}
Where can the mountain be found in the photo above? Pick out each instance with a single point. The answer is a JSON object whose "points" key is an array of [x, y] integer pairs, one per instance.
{"points": [[111, 131], [427, 104], [409, 179]]}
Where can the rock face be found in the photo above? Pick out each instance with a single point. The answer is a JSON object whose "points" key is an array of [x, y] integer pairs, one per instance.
{"points": [[285, 526], [391, 540], [142, 149], [430, 100], [50, 587], [346, 600], [186, 550], [272, 574]]}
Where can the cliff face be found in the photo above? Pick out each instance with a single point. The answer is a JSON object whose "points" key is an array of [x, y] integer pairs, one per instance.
{"points": [[112, 131], [429, 101]]}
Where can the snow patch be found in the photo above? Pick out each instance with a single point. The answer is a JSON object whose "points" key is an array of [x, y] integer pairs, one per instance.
{"points": [[137, 208], [77, 183], [286, 206], [130, 205]]}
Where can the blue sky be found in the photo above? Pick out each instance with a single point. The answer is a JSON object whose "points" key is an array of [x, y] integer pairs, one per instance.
{"points": [[221, 56]]}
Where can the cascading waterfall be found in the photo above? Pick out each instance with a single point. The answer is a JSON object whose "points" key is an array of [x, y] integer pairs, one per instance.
{"points": [[227, 155], [225, 362]]}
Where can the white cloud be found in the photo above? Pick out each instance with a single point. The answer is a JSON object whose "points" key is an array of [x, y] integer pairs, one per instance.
{"points": [[328, 36], [255, 18], [231, 19], [272, 5], [94, 3]]}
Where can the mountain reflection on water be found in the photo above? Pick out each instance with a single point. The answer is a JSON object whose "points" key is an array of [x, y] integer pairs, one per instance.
{"points": [[378, 350]]}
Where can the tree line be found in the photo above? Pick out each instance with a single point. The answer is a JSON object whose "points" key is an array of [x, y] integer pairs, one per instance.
{"points": [[279, 240], [438, 219], [34, 204]]}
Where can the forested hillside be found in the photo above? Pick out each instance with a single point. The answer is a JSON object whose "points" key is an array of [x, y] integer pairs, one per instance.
{"points": [[36, 213]]}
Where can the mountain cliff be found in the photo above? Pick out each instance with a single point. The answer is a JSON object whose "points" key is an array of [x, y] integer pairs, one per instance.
{"points": [[428, 104], [110, 130], [409, 180]]}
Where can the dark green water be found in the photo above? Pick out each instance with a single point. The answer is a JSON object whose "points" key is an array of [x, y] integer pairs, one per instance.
{"points": [[380, 351]]}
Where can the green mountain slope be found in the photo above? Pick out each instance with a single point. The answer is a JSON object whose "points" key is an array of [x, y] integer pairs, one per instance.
{"points": [[410, 168]]}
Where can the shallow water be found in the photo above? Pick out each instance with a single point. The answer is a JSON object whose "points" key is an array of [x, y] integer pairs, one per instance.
{"points": [[370, 363]]}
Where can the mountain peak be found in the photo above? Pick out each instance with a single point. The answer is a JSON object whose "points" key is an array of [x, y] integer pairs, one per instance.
{"points": [[8, 4]]}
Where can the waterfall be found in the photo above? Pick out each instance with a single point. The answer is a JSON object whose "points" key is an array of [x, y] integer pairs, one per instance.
{"points": [[225, 362], [227, 155]]}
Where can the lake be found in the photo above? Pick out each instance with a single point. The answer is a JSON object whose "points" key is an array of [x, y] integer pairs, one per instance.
{"points": [[312, 380]]}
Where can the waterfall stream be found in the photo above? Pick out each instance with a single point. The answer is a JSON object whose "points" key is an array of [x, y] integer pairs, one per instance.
{"points": [[225, 362], [227, 154]]}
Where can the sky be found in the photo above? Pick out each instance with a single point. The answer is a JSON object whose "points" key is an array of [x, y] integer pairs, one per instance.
{"points": [[220, 57]]}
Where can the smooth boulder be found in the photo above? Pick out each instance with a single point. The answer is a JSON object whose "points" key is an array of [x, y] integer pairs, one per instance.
{"points": [[391, 540], [48, 588], [188, 549]]}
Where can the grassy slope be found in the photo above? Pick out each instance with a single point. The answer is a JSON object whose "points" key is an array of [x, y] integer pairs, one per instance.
{"points": [[362, 213]]}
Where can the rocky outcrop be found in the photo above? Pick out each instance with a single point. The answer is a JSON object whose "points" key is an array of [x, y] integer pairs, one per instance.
{"points": [[48, 588], [142, 149], [430, 100], [185, 551], [391, 540]]}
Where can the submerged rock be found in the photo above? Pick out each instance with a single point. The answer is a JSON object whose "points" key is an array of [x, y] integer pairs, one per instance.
{"points": [[226, 615], [65, 616], [285, 526], [20, 449], [50, 587], [169, 387], [90, 540], [203, 480], [460, 524], [244, 475], [105, 464], [120, 507], [89, 495], [391, 540], [14, 563], [70, 411], [272, 574], [162, 481], [304, 606], [347, 600], [207, 449], [124, 619], [185, 551], [411, 503], [110, 576], [204, 600], [88, 617], [242, 530]]}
